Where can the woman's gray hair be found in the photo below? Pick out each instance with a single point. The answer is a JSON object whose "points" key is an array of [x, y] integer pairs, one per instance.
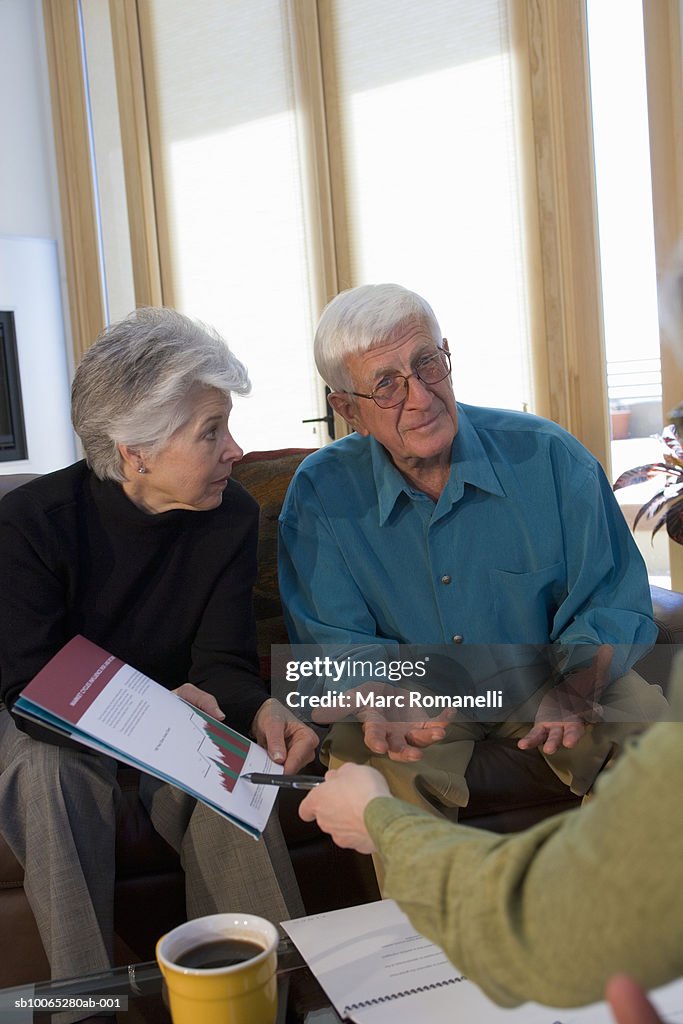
{"points": [[361, 318], [131, 387]]}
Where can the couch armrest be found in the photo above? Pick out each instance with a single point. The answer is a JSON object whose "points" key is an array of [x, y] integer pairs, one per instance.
{"points": [[668, 614], [668, 610]]}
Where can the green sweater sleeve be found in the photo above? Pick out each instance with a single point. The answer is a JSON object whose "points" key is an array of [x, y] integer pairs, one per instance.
{"points": [[551, 913]]}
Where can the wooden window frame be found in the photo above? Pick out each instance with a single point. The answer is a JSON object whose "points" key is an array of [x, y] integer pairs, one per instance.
{"points": [[662, 29], [568, 351], [549, 38], [76, 186]]}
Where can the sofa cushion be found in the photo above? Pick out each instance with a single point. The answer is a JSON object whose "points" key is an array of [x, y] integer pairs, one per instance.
{"points": [[266, 476]]}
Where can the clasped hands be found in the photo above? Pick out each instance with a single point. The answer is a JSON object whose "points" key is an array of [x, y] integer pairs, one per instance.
{"points": [[288, 741]]}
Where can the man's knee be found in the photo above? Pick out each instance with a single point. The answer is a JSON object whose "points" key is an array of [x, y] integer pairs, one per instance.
{"points": [[632, 699], [435, 784]]}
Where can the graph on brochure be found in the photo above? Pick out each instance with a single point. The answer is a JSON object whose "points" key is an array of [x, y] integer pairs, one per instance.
{"points": [[222, 747]]}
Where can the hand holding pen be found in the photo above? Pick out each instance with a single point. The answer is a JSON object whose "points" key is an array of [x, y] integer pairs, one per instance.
{"points": [[285, 781]]}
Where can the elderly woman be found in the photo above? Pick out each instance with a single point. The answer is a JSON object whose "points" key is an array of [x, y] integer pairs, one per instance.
{"points": [[147, 548]]}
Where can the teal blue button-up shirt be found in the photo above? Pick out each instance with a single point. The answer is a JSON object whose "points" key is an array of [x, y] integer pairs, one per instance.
{"points": [[526, 545]]}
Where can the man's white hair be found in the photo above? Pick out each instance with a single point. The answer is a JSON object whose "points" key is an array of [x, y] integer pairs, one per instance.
{"points": [[362, 318]]}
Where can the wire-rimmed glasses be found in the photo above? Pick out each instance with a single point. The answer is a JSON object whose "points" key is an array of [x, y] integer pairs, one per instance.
{"points": [[392, 389]]}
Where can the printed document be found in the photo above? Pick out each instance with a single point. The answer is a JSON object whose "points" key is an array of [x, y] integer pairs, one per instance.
{"points": [[93, 697], [376, 969]]}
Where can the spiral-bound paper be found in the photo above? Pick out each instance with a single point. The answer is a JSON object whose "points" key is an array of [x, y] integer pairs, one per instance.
{"points": [[365, 1003]]}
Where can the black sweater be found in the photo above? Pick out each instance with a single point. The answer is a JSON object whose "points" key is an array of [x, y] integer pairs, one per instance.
{"points": [[170, 593]]}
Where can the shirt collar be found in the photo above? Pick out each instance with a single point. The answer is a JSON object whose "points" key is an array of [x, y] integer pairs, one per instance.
{"points": [[469, 465]]}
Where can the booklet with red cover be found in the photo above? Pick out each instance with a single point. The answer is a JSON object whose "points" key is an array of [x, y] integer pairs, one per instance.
{"points": [[91, 696]]}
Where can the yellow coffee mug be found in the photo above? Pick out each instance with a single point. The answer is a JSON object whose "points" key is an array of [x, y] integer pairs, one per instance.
{"points": [[241, 992]]}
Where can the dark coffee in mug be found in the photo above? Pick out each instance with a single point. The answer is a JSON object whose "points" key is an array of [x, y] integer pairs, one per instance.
{"points": [[225, 952]]}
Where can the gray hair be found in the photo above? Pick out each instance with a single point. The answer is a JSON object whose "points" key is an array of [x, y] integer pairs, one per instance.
{"points": [[131, 386], [361, 318]]}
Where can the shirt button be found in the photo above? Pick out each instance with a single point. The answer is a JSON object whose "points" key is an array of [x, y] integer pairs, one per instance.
{"points": [[445, 579], [457, 639]]}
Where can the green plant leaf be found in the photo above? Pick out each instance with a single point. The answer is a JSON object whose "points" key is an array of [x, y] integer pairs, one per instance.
{"points": [[675, 465], [650, 508], [640, 474], [674, 522], [672, 512], [669, 436], [658, 525], [667, 503]]}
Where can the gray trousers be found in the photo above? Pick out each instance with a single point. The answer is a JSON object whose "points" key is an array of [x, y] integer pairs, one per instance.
{"points": [[58, 814]]}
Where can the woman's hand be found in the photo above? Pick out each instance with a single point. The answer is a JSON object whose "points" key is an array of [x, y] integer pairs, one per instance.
{"points": [[288, 741], [200, 699], [338, 805]]}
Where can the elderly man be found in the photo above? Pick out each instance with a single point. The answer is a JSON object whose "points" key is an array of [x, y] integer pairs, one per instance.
{"points": [[441, 524]]}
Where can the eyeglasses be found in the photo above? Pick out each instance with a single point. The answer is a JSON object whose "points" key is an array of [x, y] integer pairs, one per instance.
{"points": [[392, 390]]}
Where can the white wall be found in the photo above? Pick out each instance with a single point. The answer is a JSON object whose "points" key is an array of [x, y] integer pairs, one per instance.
{"points": [[29, 208]]}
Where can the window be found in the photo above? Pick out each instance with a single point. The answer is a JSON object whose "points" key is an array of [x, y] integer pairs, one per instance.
{"points": [[277, 151], [229, 186], [290, 156], [629, 288], [427, 177], [624, 174]]}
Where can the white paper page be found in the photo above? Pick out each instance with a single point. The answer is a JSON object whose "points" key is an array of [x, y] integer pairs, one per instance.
{"points": [[368, 952], [352, 954], [157, 728], [467, 1004]]}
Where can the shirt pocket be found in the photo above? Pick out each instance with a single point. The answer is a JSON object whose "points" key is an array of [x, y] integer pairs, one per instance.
{"points": [[525, 603]]}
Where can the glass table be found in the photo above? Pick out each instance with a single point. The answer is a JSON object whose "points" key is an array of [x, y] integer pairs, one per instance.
{"points": [[136, 994]]}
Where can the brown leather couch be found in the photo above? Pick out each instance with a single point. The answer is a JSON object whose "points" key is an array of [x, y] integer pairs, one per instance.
{"points": [[510, 789]]}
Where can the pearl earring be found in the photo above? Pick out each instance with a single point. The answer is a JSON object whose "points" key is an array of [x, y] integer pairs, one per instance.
{"points": [[141, 469]]}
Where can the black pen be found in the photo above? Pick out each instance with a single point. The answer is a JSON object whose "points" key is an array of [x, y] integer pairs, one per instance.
{"points": [[287, 781]]}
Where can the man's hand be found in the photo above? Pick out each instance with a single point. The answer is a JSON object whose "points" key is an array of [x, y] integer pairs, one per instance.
{"points": [[562, 714], [206, 702], [288, 741], [402, 741], [629, 1003], [338, 805], [397, 730]]}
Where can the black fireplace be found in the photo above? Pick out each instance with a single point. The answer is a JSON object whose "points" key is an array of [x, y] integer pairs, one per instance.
{"points": [[12, 432]]}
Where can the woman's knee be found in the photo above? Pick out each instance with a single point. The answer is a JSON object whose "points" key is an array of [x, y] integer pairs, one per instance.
{"points": [[44, 772]]}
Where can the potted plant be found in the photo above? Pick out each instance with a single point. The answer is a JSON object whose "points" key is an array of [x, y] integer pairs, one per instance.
{"points": [[666, 506], [620, 415]]}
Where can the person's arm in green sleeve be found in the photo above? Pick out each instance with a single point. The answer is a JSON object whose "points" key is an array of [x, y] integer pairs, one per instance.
{"points": [[550, 913]]}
